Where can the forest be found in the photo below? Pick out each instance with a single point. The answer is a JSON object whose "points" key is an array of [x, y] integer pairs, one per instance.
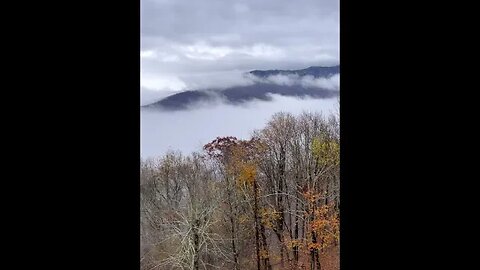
{"points": [[269, 202]]}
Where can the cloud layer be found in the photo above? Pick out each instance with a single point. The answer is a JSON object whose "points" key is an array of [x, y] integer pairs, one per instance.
{"points": [[188, 131], [223, 80], [185, 40]]}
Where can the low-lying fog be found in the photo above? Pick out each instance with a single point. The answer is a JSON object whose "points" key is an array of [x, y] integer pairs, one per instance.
{"points": [[189, 130]]}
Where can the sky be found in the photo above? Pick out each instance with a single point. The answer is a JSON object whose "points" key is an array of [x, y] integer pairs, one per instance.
{"points": [[191, 44], [198, 44]]}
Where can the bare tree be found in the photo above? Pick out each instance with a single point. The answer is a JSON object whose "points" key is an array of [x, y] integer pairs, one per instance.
{"points": [[278, 192]]}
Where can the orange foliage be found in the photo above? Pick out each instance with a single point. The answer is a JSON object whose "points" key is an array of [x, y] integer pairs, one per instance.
{"points": [[269, 216], [247, 174], [326, 225]]}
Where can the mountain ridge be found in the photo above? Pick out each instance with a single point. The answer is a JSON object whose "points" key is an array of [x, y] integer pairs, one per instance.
{"points": [[261, 89], [315, 71]]}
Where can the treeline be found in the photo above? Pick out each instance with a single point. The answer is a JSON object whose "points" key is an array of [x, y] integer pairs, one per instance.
{"points": [[271, 202]]}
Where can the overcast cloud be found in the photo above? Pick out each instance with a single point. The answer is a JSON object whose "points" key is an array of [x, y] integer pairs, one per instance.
{"points": [[187, 44]]}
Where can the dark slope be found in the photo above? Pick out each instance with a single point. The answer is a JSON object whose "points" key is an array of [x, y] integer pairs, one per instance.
{"points": [[316, 72], [180, 101], [259, 90]]}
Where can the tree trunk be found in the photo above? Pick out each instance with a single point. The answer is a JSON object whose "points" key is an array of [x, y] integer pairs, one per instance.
{"points": [[233, 218], [295, 248], [255, 211], [314, 255], [196, 242], [266, 259], [234, 249]]}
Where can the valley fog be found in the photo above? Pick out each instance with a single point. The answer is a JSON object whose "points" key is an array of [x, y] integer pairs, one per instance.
{"points": [[189, 130]]}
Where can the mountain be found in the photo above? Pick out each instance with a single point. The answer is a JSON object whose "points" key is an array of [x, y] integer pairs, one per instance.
{"points": [[261, 89], [181, 100], [317, 72]]}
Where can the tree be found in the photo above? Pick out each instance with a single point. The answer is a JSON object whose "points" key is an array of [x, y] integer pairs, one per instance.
{"points": [[278, 191]]}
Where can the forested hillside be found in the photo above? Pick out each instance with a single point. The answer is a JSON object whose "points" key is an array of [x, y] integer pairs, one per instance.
{"points": [[314, 82], [270, 202]]}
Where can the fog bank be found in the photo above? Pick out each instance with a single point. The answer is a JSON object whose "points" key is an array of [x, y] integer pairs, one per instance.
{"points": [[188, 131]]}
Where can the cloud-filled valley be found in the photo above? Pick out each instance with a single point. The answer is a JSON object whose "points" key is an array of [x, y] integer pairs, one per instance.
{"points": [[189, 130]]}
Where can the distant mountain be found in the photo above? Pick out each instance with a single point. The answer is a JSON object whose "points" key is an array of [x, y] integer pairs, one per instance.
{"points": [[316, 72], [260, 90], [149, 96], [181, 100]]}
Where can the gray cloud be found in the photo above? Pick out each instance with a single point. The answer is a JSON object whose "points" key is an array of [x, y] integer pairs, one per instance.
{"points": [[184, 40]]}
